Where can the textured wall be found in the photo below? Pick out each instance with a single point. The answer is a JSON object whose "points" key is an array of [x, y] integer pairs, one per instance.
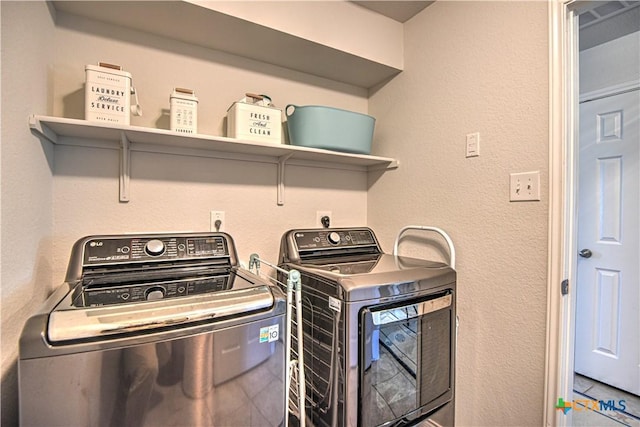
{"points": [[476, 67], [26, 181], [176, 193]]}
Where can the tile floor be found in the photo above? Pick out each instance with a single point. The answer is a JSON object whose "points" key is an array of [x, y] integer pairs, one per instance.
{"points": [[587, 389]]}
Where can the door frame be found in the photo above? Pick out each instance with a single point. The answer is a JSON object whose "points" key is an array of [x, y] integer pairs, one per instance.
{"points": [[564, 104], [563, 107]]}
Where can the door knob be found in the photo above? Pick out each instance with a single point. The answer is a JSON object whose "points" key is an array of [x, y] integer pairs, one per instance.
{"points": [[585, 253]]}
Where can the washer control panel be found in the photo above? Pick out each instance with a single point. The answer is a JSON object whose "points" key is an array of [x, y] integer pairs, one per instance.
{"points": [[126, 268], [130, 249], [152, 291], [333, 238]]}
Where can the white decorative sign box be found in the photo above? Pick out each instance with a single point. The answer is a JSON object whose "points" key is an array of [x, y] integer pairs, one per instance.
{"points": [[184, 111], [254, 122], [107, 94]]}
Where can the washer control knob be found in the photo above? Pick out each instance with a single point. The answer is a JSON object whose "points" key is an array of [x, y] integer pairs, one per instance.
{"points": [[154, 247], [154, 294], [333, 238]]}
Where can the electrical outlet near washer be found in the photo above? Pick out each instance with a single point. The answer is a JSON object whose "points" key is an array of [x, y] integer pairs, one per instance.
{"points": [[524, 186], [217, 221], [320, 215]]}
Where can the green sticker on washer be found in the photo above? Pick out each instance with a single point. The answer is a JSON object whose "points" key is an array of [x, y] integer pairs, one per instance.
{"points": [[270, 333]]}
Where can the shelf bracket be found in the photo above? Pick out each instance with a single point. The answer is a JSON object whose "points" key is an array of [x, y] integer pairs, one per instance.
{"points": [[281, 166], [395, 164], [42, 130], [125, 167]]}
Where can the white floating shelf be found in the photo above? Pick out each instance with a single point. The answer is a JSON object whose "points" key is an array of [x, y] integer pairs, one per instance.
{"points": [[126, 138]]}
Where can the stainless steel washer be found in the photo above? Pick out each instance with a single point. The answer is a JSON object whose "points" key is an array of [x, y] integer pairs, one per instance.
{"points": [[379, 330], [155, 330]]}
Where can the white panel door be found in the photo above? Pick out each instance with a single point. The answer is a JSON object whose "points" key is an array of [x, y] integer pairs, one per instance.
{"points": [[608, 290]]}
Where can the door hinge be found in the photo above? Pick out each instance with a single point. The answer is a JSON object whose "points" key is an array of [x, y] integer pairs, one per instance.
{"points": [[564, 287]]}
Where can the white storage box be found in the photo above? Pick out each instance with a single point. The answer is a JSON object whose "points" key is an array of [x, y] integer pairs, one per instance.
{"points": [[254, 122], [107, 94], [184, 111]]}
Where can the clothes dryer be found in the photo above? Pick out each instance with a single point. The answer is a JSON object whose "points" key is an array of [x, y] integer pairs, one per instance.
{"points": [[379, 330]]}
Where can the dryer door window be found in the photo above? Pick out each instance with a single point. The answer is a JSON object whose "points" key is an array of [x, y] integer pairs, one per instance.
{"points": [[405, 359]]}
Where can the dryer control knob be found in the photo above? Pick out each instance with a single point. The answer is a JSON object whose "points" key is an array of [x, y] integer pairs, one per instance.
{"points": [[154, 247], [334, 238], [154, 294]]}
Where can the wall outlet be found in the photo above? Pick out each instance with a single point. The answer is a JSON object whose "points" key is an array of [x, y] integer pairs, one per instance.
{"points": [[524, 186], [319, 215], [215, 217]]}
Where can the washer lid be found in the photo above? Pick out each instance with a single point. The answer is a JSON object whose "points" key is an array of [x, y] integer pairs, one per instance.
{"points": [[86, 323]]}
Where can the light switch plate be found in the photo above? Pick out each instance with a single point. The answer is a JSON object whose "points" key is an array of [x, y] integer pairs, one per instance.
{"points": [[473, 144], [524, 186]]}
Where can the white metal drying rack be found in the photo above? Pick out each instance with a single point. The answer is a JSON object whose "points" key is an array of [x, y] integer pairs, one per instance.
{"points": [[295, 379]]}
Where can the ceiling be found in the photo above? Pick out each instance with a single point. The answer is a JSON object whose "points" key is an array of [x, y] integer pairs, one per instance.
{"points": [[597, 11], [398, 10], [603, 21], [600, 21]]}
